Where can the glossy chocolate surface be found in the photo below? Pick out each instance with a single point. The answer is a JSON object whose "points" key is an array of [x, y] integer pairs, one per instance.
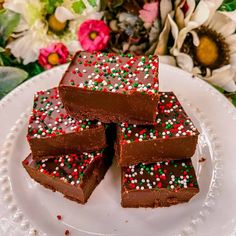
{"points": [[173, 136], [52, 131], [158, 184], [74, 175], [111, 87]]}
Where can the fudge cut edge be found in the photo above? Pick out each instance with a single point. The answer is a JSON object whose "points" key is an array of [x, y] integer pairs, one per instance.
{"points": [[153, 199], [175, 138], [167, 183], [107, 105], [52, 131], [149, 151], [79, 193], [83, 141]]}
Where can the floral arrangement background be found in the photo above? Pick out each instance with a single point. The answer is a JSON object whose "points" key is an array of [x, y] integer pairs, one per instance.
{"points": [[198, 36]]}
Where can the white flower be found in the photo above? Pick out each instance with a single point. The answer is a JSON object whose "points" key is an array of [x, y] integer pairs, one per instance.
{"points": [[205, 44], [38, 30]]}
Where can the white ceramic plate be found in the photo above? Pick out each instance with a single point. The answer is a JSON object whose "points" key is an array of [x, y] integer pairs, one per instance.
{"points": [[27, 208]]}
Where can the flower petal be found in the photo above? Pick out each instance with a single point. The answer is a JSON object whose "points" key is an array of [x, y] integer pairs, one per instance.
{"points": [[222, 24], [231, 41], [161, 48], [14, 5], [182, 18], [179, 14], [149, 12], [233, 61], [184, 61], [167, 60], [199, 16], [183, 32], [191, 5], [196, 71], [212, 5], [174, 31], [63, 14], [230, 14], [201, 13], [20, 47], [223, 77], [230, 86], [195, 38], [165, 9], [22, 26], [30, 10]]}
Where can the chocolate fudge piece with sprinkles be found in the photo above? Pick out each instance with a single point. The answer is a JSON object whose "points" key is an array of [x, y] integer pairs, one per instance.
{"points": [[111, 87], [173, 137], [52, 131], [160, 184], [74, 175]]}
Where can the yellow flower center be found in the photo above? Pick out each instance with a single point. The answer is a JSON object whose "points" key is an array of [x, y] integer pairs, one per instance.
{"points": [[212, 52], [207, 51], [93, 35], [53, 59], [55, 25]]}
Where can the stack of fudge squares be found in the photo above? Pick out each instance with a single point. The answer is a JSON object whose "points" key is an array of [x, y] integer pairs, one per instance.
{"points": [[110, 105]]}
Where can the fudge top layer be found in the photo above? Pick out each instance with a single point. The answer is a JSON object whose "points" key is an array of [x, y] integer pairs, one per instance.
{"points": [[172, 175], [171, 121], [109, 72], [49, 117], [68, 168]]}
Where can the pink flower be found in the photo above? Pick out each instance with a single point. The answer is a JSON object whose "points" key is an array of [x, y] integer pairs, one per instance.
{"points": [[93, 35], [149, 12], [55, 54]]}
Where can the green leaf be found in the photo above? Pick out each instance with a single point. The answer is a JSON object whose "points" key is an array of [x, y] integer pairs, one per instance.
{"points": [[93, 3], [51, 5], [1, 60], [234, 101], [32, 68], [221, 90], [10, 77], [228, 5], [78, 6], [233, 98], [8, 22]]}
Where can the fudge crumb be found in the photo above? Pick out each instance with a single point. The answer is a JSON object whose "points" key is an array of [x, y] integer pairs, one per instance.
{"points": [[126, 221], [67, 232], [202, 159], [59, 217]]}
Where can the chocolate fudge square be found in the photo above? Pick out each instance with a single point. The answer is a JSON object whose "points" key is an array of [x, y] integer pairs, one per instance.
{"points": [[174, 136], [111, 87], [52, 131], [74, 175], [160, 184]]}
